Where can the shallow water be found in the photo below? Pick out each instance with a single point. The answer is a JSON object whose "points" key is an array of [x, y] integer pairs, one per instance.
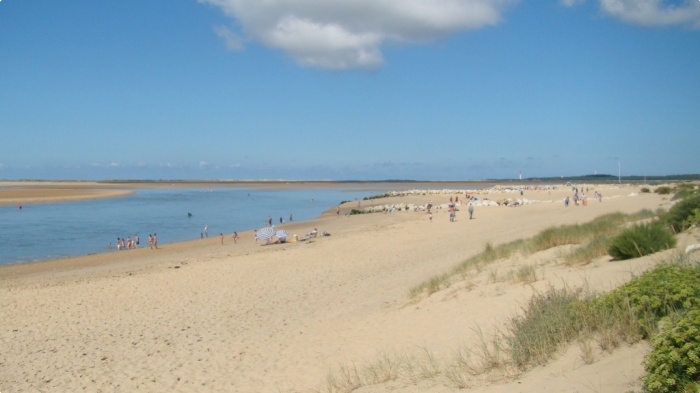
{"points": [[53, 230]]}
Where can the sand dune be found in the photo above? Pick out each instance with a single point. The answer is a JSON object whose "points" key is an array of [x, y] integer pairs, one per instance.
{"points": [[199, 316]]}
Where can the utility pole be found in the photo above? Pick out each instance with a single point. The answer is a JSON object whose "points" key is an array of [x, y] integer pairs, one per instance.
{"points": [[619, 173]]}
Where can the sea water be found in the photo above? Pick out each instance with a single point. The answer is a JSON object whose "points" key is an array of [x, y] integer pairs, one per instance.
{"points": [[54, 230]]}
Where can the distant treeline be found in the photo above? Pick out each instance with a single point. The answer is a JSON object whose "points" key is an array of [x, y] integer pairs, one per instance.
{"points": [[561, 179], [615, 179]]}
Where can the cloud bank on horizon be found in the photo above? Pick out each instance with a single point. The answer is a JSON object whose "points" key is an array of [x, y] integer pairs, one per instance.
{"points": [[350, 34]]}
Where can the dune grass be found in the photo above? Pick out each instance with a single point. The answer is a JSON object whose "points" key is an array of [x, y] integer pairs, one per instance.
{"points": [[638, 310], [592, 238]]}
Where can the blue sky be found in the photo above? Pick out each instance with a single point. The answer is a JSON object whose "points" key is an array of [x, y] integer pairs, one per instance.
{"points": [[348, 89]]}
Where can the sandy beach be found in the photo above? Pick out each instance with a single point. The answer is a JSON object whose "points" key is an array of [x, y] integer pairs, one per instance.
{"points": [[242, 317]]}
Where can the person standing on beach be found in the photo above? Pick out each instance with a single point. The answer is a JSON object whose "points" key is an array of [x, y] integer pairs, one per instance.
{"points": [[222, 239], [291, 218], [155, 241], [206, 231], [471, 211], [235, 237], [269, 221]]}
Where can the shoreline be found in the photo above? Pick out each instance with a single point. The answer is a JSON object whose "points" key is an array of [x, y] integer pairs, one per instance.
{"points": [[104, 258], [31, 192], [22, 193]]}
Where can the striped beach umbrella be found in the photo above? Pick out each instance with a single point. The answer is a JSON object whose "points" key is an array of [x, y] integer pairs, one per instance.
{"points": [[265, 233], [282, 234]]}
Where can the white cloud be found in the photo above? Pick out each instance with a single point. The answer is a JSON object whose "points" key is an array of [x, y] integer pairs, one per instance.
{"points": [[232, 41], [572, 3], [345, 34], [654, 12]]}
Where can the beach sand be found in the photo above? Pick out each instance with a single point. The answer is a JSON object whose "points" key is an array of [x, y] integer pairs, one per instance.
{"points": [[201, 316]]}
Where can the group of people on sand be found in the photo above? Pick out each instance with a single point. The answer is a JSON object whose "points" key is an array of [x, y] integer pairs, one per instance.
{"points": [[128, 243], [452, 208], [583, 199]]}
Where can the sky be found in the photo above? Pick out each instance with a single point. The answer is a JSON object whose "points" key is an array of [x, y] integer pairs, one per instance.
{"points": [[348, 89]]}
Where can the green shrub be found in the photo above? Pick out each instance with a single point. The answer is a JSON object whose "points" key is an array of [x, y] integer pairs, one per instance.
{"points": [[641, 240], [683, 191], [645, 190], [684, 214], [693, 219], [674, 363], [656, 294], [663, 190]]}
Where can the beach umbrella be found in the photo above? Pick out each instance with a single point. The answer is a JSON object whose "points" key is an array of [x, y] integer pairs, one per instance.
{"points": [[265, 233], [282, 234]]}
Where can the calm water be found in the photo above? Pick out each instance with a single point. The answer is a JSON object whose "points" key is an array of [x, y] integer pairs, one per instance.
{"points": [[45, 231]]}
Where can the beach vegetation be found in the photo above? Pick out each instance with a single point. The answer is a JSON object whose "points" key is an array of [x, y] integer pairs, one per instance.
{"points": [[663, 190], [597, 247], [661, 305], [548, 320], [685, 190], [527, 274], [427, 364], [640, 240], [645, 190], [385, 368], [369, 198], [683, 214], [667, 289], [430, 286], [674, 362], [592, 240]]}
